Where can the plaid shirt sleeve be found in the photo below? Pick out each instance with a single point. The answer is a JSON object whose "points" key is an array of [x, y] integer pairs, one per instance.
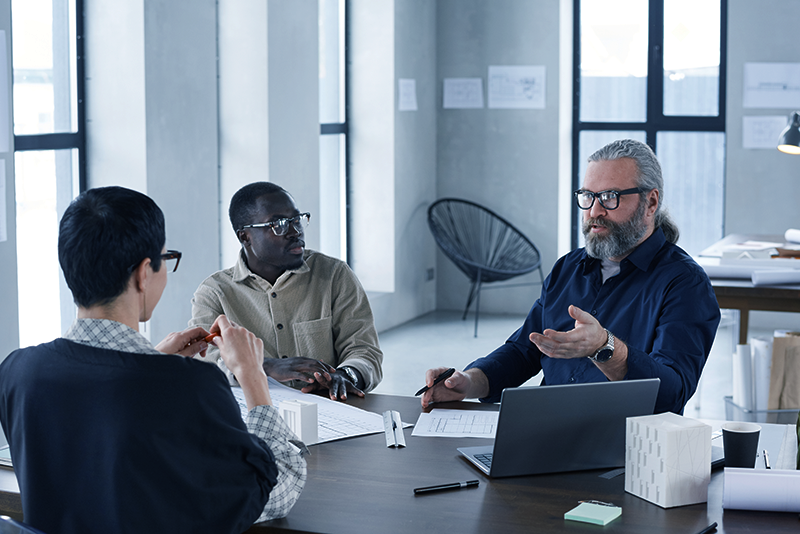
{"points": [[266, 423]]}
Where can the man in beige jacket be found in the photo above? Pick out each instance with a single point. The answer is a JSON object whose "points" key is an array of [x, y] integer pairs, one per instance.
{"points": [[308, 308]]}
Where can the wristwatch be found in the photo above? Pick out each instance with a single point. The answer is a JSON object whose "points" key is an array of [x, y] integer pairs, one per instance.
{"points": [[604, 353], [351, 374]]}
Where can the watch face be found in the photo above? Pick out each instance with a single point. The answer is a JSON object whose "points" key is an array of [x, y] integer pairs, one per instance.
{"points": [[604, 355]]}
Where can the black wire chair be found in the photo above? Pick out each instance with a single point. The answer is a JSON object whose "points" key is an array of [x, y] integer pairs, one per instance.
{"points": [[486, 247]]}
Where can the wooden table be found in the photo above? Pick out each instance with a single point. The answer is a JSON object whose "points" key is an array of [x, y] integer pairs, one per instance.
{"points": [[742, 295], [360, 485]]}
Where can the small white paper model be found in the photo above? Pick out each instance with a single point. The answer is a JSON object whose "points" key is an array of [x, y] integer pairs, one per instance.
{"points": [[301, 418], [668, 459]]}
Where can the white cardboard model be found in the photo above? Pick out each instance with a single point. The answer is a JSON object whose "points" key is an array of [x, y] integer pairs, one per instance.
{"points": [[301, 418], [668, 459]]}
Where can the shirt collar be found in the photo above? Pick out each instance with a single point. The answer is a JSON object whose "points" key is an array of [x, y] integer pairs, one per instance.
{"points": [[110, 335], [642, 256], [242, 272]]}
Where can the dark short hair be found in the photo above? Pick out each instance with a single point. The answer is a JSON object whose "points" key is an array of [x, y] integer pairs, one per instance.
{"points": [[104, 234], [243, 208]]}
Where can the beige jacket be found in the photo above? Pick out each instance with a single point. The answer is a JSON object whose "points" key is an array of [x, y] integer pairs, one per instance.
{"points": [[318, 311]]}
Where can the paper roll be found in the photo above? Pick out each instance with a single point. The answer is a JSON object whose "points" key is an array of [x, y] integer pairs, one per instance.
{"points": [[776, 277], [792, 235], [769, 490], [728, 271], [761, 350], [743, 378]]}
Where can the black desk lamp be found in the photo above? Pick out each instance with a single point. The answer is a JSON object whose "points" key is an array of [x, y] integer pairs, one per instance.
{"points": [[789, 141]]}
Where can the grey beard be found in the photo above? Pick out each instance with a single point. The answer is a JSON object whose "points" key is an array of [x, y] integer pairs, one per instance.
{"points": [[622, 238]]}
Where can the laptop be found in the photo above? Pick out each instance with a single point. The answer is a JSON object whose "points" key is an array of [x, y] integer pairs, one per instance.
{"points": [[573, 427]]}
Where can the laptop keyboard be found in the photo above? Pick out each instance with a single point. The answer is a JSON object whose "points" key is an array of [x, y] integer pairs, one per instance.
{"points": [[485, 459]]}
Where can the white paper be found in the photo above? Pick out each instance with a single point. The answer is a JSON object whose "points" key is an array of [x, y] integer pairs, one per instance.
{"points": [[407, 95], [774, 490], [772, 85], [517, 87], [776, 277], [457, 424], [762, 132], [336, 420], [3, 225], [463, 93], [743, 377], [761, 350]]}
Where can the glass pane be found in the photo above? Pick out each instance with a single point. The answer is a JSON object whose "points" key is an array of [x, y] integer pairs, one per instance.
{"points": [[45, 95], [331, 61], [44, 188], [613, 60], [691, 57], [589, 142], [693, 164], [331, 223]]}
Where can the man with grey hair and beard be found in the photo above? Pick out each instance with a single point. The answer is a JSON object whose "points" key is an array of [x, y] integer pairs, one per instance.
{"points": [[630, 305]]}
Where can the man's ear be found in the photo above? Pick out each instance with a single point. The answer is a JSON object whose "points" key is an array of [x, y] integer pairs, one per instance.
{"points": [[243, 236], [141, 275], [652, 202]]}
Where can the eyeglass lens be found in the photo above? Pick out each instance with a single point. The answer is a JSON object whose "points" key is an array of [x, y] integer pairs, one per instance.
{"points": [[608, 199], [299, 223]]}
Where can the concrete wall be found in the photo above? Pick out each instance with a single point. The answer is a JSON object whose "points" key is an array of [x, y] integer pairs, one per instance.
{"points": [[762, 185], [393, 155], [152, 126], [504, 159]]}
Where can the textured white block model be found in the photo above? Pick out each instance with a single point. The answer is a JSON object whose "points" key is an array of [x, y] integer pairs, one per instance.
{"points": [[668, 459], [301, 418]]}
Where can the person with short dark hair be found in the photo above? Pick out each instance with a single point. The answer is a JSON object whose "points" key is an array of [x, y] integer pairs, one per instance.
{"points": [[110, 434], [629, 305], [309, 309]]}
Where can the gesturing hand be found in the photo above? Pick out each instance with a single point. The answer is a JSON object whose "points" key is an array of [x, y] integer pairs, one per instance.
{"points": [[583, 340]]}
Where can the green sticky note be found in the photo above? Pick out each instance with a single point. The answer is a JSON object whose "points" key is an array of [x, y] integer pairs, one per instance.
{"points": [[597, 514]]}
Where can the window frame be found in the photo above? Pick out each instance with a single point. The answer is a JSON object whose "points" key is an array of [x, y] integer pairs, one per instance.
{"points": [[655, 121], [342, 128], [75, 140]]}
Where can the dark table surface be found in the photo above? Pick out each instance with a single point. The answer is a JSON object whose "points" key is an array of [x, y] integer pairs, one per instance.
{"points": [[360, 485]]}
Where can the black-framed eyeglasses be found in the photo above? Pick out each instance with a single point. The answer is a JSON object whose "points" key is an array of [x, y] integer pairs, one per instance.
{"points": [[608, 199], [281, 226], [172, 258]]}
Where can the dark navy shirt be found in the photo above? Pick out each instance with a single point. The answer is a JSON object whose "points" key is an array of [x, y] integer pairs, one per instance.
{"points": [[661, 305]]}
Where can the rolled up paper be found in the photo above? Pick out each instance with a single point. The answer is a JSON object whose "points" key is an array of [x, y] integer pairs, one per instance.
{"points": [[768, 490], [792, 235], [743, 378], [776, 277]]}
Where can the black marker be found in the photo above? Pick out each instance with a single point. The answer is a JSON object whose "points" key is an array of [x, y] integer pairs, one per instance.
{"points": [[444, 376], [710, 528], [443, 487]]}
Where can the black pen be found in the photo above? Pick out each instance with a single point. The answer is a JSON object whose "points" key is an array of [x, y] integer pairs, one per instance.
{"points": [[444, 376], [442, 487], [710, 528]]}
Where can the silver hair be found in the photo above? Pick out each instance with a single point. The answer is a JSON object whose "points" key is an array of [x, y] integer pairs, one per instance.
{"points": [[649, 177]]}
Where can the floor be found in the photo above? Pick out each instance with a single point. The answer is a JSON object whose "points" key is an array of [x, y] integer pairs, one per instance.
{"points": [[441, 338]]}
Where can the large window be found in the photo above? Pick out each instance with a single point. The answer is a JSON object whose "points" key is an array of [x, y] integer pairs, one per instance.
{"points": [[49, 154], [333, 129], [654, 70]]}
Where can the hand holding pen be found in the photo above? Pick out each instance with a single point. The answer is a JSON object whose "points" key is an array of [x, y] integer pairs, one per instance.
{"points": [[441, 378]]}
